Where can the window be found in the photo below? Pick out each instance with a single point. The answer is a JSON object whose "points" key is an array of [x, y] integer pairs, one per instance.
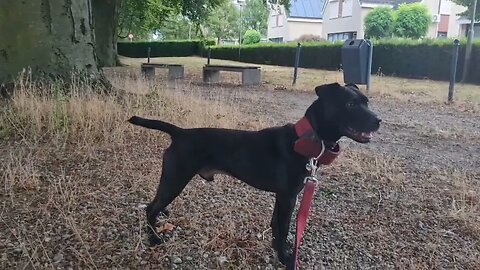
{"points": [[334, 10], [347, 9], [441, 34], [278, 40], [341, 36]]}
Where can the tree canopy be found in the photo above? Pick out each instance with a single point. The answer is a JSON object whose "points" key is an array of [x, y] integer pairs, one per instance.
{"points": [[255, 16], [412, 20], [469, 5], [379, 22], [223, 22]]}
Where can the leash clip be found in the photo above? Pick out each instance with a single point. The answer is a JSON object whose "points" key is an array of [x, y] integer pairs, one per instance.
{"points": [[312, 166]]}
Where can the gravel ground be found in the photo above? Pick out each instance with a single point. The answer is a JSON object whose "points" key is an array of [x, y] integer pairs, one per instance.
{"points": [[409, 199]]}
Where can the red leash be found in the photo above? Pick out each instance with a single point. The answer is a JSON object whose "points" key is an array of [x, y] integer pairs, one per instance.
{"points": [[302, 215], [310, 146]]}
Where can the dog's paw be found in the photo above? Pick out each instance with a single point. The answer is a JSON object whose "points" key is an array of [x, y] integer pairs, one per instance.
{"points": [[288, 260], [154, 240]]}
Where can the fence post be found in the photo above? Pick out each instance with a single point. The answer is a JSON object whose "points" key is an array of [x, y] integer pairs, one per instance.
{"points": [[148, 54], [369, 65], [209, 54], [453, 70], [297, 62]]}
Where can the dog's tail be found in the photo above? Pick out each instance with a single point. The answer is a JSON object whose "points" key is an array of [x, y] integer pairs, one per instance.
{"points": [[172, 130]]}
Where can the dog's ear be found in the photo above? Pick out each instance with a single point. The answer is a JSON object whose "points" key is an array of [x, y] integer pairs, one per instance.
{"points": [[322, 88], [352, 85]]}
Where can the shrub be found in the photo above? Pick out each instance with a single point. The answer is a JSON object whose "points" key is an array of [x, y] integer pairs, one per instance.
{"points": [[379, 23], [412, 20], [251, 37], [309, 38], [163, 48], [399, 57]]}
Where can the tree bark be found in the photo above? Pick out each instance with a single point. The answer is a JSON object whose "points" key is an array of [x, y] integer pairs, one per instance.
{"points": [[51, 37], [105, 17]]}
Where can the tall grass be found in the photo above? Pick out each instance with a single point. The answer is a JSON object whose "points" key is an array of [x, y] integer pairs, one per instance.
{"points": [[80, 115]]}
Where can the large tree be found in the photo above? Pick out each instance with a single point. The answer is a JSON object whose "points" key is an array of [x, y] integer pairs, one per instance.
{"points": [[223, 21], [53, 38], [255, 16]]}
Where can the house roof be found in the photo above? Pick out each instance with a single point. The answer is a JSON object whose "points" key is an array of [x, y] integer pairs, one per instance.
{"points": [[309, 9], [394, 3]]}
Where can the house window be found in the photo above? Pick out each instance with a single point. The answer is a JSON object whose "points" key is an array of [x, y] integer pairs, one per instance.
{"points": [[334, 10], [341, 36], [347, 8], [278, 19], [277, 40], [442, 35]]}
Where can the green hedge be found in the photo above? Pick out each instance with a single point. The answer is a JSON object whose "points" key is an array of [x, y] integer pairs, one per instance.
{"points": [[163, 48], [398, 57]]}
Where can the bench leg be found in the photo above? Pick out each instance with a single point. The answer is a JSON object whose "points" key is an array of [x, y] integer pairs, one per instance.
{"points": [[251, 77], [175, 73], [211, 76], [148, 72]]}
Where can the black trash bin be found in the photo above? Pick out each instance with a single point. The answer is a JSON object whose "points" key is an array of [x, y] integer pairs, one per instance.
{"points": [[355, 61]]}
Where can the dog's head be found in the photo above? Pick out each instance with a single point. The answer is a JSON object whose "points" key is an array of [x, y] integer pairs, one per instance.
{"points": [[342, 111]]}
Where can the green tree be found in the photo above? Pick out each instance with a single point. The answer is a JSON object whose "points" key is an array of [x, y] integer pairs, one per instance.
{"points": [[469, 5], [141, 18], [223, 21], [251, 37], [255, 16], [412, 20], [177, 27], [379, 23]]}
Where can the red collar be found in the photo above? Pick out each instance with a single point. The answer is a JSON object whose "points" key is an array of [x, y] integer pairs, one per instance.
{"points": [[309, 145]]}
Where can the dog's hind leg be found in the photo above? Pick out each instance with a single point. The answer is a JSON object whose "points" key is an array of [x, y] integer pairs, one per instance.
{"points": [[173, 180], [282, 215]]}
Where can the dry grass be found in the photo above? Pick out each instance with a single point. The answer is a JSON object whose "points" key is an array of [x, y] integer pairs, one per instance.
{"points": [[408, 90]]}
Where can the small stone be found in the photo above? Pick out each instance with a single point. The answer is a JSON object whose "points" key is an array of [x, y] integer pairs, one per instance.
{"points": [[222, 260], [259, 236], [47, 239], [177, 260], [188, 258], [58, 258]]}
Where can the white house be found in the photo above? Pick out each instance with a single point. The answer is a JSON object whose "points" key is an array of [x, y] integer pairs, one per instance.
{"points": [[344, 19], [304, 18]]}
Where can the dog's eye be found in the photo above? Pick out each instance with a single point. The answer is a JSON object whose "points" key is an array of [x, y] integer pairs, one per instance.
{"points": [[351, 104]]}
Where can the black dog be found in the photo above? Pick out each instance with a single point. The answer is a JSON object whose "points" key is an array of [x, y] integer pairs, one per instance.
{"points": [[265, 159]]}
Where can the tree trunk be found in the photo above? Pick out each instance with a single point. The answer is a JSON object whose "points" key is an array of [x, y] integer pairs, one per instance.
{"points": [[53, 38], [105, 17]]}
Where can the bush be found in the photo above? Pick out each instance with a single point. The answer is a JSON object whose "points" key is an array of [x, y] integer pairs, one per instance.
{"points": [[379, 23], [309, 38], [163, 48], [412, 20], [251, 37], [398, 57]]}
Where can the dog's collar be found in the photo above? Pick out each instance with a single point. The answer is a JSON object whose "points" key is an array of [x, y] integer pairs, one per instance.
{"points": [[309, 145]]}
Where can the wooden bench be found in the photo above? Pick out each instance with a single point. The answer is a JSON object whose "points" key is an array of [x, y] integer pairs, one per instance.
{"points": [[251, 75], [175, 71]]}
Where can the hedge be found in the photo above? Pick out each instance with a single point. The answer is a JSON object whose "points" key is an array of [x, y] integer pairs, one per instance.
{"points": [[163, 48], [403, 58]]}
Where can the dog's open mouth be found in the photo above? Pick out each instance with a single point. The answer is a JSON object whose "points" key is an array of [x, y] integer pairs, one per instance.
{"points": [[359, 136]]}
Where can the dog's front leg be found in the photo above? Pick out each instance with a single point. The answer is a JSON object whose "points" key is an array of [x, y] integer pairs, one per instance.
{"points": [[282, 216]]}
